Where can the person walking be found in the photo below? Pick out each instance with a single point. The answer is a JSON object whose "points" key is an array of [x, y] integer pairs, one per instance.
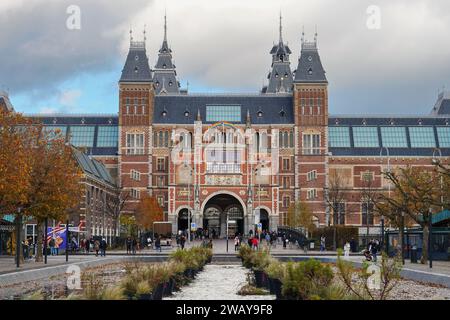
{"points": [[51, 244], [96, 247], [88, 245], [182, 241], [374, 250], [133, 246], [322, 243], [284, 239], [103, 246], [236, 243], [158, 244], [128, 245]]}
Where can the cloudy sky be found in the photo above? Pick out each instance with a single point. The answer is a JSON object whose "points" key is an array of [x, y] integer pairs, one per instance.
{"points": [[223, 46]]}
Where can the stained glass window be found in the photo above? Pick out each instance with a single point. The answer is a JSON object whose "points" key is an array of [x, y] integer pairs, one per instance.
{"points": [[339, 137], [444, 137], [422, 137], [365, 137], [107, 136], [82, 136], [223, 113], [394, 137]]}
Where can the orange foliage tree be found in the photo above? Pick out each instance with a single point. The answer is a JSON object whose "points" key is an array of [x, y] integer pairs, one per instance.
{"points": [[148, 211], [38, 173]]}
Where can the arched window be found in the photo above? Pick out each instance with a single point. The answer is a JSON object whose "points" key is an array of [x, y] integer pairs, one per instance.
{"points": [[285, 140], [256, 142], [291, 139], [166, 139], [264, 141], [160, 139], [280, 140], [155, 139]]}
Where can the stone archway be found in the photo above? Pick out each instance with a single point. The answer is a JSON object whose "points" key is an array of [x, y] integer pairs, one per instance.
{"points": [[215, 211]]}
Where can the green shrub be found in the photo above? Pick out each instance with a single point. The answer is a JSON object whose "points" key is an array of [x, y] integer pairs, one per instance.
{"points": [[306, 280], [275, 269]]}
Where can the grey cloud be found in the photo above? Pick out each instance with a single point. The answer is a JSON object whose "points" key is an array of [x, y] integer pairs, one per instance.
{"points": [[38, 51]]}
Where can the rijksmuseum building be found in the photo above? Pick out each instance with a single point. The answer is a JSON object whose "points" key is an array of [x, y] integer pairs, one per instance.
{"points": [[248, 157]]}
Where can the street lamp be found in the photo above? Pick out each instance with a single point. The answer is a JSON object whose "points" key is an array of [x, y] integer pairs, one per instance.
{"points": [[436, 161], [430, 242], [402, 235], [389, 191]]}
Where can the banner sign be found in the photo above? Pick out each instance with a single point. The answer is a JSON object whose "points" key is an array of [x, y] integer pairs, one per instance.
{"points": [[59, 234]]}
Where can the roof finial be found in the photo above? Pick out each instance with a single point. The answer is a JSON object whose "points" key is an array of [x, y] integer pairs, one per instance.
{"points": [[145, 33], [131, 34], [281, 28], [303, 34], [165, 25], [315, 35]]}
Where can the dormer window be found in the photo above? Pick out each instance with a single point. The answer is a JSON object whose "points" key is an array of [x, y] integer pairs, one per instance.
{"points": [[310, 71], [164, 113], [157, 83], [309, 58], [136, 58], [136, 69], [170, 83], [276, 75], [282, 113], [260, 114], [164, 66], [186, 113]]}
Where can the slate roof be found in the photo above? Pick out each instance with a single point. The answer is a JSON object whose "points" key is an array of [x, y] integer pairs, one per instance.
{"points": [[310, 69], [93, 168], [442, 106], [5, 102], [136, 67], [275, 109]]}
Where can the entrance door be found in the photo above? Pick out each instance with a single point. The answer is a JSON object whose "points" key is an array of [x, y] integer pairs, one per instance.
{"points": [[211, 221], [183, 222], [264, 219]]}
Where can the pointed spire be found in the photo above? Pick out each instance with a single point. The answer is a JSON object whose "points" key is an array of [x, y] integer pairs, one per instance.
{"points": [[199, 117], [303, 34], [145, 33], [281, 28], [315, 35], [165, 25]]}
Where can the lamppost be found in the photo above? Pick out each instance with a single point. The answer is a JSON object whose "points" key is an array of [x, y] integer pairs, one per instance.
{"points": [[401, 234], [189, 202], [18, 243], [389, 191], [430, 241], [435, 161]]}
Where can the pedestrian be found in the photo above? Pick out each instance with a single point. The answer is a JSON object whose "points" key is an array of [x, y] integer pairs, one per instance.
{"points": [[352, 245], [103, 245], [322, 243], [236, 243], [374, 250], [96, 247], [255, 243], [128, 245], [51, 244], [88, 246], [284, 239], [210, 244], [267, 236], [182, 241], [133, 246], [158, 244]]}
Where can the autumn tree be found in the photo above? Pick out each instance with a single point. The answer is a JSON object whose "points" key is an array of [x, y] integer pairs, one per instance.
{"points": [[115, 206], [17, 137], [335, 199], [148, 211], [56, 187], [416, 195], [37, 172], [300, 215]]}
